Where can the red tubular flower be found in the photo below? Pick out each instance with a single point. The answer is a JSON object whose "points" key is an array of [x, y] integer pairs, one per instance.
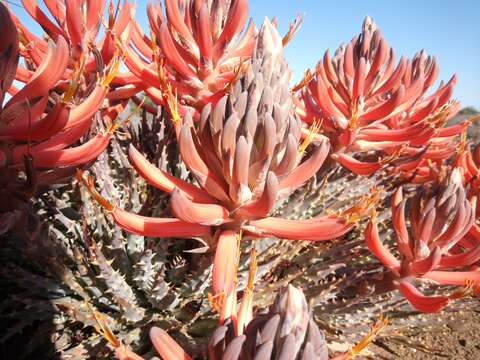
{"points": [[33, 122], [199, 43], [79, 22], [66, 83], [225, 255], [244, 153], [316, 229], [433, 246], [143, 225], [367, 103], [469, 161], [166, 346]]}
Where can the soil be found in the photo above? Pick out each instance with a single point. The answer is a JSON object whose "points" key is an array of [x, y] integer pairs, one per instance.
{"points": [[459, 339]]}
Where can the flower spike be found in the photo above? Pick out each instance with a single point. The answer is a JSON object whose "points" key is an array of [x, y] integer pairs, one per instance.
{"points": [[367, 103], [433, 247], [199, 44]]}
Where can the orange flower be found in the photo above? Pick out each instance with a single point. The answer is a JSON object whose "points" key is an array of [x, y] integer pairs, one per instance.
{"points": [[441, 216], [369, 104], [243, 154], [199, 45]]}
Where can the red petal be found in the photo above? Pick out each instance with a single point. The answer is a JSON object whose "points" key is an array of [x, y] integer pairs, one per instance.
{"points": [[204, 214], [166, 346], [262, 206], [49, 72], [163, 180], [306, 169], [427, 304], [225, 263], [377, 248], [427, 264], [157, 227], [356, 166], [453, 277], [75, 156], [466, 258], [315, 229]]}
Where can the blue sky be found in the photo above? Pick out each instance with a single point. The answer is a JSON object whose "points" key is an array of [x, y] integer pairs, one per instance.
{"points": [[445, 28]]}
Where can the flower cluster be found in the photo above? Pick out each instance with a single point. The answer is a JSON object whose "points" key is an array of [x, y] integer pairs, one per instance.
{"points": [[368, 103], [286, 331], [197, 45], [65, 80], [245, 152], [435, 245]]}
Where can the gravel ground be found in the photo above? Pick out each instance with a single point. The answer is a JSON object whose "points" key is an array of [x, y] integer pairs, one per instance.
{"points": [[459, 339]]}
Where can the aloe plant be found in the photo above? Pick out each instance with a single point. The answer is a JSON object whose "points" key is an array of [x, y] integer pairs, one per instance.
{"points": [[207, 185]]}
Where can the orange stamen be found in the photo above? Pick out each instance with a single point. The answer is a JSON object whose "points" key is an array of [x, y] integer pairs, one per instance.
{"points": [[105, 330], [292, 30], [312, 132], [367, 339], [90, 186], [366, 205], [307, 77]]}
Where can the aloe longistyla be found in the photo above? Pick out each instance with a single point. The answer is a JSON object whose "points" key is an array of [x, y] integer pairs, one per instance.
{"points": [[433, 247], [91, 50], [367, 102], [286, 331], [244, 153], [200, 45], [79, 22], [40, 122], [66, 81]]}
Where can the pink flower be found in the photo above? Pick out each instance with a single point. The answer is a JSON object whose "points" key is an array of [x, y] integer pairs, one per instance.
{"points": [[434, 246]]}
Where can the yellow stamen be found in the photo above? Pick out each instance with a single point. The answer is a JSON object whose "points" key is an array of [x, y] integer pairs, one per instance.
{"points": [[87, 181], [292, 30], [239, 239], [114, 66], [168, 93], [312, 133], [439, 118], [365, 206], [367, 339], [172, 102], [463, 142], [239, 70], [216, 301], [354, 118], [465, 291], [388, 159], [252, 271], [105, 330], [112, 71], [307, 77], [75, 80], [153, 43], [22, 38]]}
